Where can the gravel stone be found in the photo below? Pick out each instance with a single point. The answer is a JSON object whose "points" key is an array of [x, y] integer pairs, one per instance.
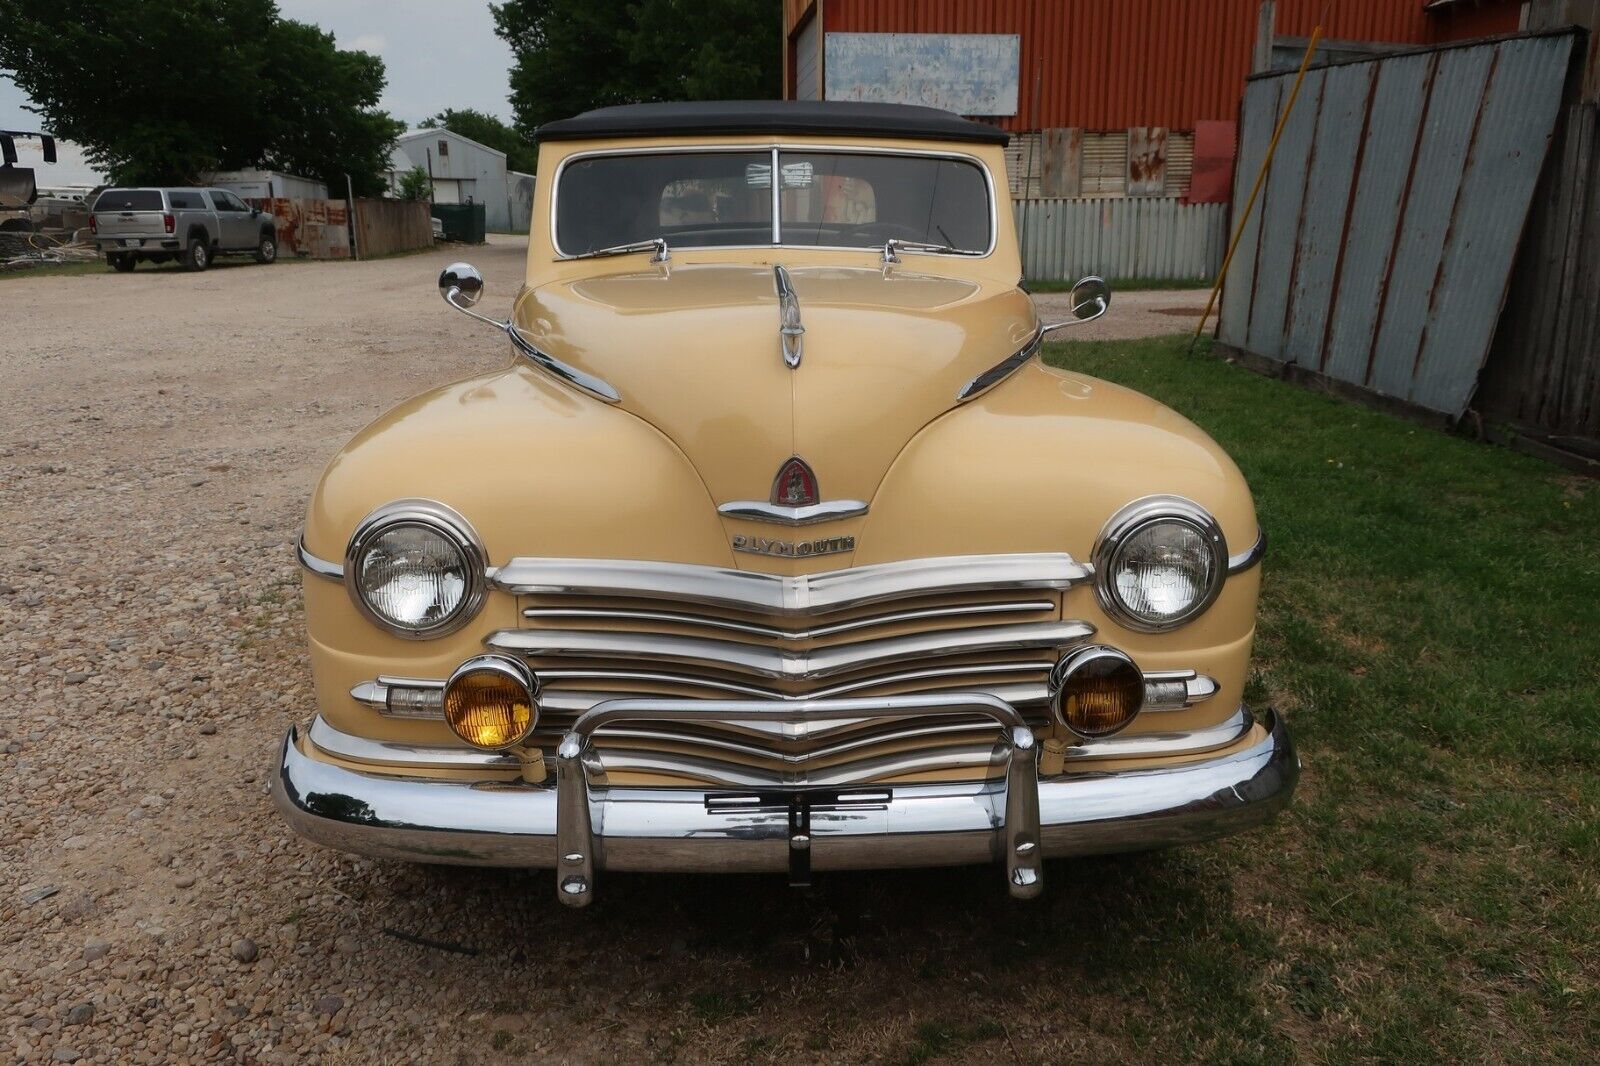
{"points": [[81, 1014], [245, 950]]}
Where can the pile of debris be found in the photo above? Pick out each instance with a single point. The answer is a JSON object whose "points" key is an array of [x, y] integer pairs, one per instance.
{"points": [[23, 249]]}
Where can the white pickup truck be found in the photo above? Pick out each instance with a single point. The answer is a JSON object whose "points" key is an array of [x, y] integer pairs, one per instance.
{"points": [[191, 225]]}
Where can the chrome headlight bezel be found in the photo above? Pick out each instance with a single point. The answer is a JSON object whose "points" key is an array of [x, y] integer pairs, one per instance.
{"points": [[1133, 519], [437, 518]]}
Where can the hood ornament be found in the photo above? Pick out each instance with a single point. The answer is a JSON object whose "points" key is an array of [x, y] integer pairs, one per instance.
{"points": [[791, 333], [796, 501]]}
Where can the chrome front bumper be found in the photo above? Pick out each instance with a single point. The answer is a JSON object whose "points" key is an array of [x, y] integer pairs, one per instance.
{"points": [[582, 825]]}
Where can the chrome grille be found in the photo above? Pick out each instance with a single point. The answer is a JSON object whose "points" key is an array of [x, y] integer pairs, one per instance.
{"points": [[596, 630]]}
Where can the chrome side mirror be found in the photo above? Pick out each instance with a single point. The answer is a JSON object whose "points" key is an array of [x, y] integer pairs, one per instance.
{"points": [[461, 285], [1091, 298]]}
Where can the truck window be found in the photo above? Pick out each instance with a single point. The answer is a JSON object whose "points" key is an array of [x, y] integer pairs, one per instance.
{"points": [[129, 200]]}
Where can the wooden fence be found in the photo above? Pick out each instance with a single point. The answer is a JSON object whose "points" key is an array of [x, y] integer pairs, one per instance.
{"points": [[1543, 374], [384, 227]]}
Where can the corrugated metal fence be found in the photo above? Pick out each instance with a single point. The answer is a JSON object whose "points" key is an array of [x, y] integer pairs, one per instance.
{"points": [[1154, 237], [1381, 248]]}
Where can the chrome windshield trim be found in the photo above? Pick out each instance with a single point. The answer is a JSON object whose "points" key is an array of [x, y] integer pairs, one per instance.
{"points": [[777, 146], [762, 511], [805, 594], [623, 614], [1000, 371], [311, 564], [596, 387], [1238, 564], [760, 660]]}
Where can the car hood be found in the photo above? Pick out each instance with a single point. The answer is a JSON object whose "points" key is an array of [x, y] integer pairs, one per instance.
{"points": [[695, 351]]}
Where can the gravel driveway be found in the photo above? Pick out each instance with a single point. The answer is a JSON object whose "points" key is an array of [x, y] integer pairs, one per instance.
{"points": [[159, 433]]}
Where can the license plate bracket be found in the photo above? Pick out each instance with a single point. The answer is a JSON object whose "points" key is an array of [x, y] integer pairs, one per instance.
{"points": [[799, 805]]}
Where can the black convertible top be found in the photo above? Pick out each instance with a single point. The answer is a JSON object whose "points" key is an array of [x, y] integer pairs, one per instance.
{"points": [[771, 116]]}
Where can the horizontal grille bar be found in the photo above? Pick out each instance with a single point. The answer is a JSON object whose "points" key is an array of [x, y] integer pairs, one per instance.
{"points": [[624, 615], [760, 660], [802, 595]]}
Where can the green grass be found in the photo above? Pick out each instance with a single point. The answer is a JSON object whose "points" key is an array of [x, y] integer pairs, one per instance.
{"points": [[1125, 284], [1430, 625]]}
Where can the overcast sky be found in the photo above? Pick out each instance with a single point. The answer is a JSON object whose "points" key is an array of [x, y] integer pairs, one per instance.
{"points": [[435, 55]]}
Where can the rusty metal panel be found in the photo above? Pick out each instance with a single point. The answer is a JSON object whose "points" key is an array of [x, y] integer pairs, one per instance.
{"points": [[968, 73], [1404, 85], [1255, 132], [1147, 160], [1280, 207], [317, 229], [1060, 162], [1340, 116], [1394, 281]]}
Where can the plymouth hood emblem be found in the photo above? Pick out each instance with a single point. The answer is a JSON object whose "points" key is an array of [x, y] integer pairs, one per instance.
{"points": [[795, 485]]}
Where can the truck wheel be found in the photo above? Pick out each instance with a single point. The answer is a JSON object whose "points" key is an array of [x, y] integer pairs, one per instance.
{"points": [[198, 255], [121, 263], [267, 250]]}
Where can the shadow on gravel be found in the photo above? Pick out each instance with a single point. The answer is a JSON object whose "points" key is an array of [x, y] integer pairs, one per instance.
{"points": [[1095, 913]]}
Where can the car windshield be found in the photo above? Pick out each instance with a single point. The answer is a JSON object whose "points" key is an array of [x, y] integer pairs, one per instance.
{"points": [[722, 199]]}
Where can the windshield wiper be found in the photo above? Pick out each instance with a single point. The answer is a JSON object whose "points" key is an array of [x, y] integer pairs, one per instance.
{"points": [[655, 244], [894, 245]]}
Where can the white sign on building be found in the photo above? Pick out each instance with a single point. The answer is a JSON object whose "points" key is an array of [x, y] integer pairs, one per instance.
{"points": [[968, 73]]}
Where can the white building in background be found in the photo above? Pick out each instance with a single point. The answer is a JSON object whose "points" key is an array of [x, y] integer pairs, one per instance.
{"points": [[462, 171], [264, 184]]}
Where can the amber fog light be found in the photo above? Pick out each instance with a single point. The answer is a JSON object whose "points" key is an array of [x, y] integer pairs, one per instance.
{"points": [[1096, 691], [491, 701]]}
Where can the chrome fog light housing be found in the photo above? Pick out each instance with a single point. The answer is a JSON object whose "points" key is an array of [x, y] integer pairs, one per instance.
{"points": [[492, 701], [415, 568], [1159, 562], [1096, 691]]}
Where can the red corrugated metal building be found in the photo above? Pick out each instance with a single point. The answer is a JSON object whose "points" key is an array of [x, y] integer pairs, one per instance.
{"points": [[1103, 66]]}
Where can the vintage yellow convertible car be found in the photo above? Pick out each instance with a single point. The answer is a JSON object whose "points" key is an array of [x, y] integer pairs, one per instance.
{"points": [[775, 547]]}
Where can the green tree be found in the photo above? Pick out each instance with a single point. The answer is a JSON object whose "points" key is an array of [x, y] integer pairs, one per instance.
{"points": [[414, 185], [486, 129], [166, 90], [573, 55]]}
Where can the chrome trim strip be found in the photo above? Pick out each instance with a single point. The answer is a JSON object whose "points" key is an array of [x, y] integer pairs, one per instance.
{"points": [[623, 614], [775, 147], [781, 741], [760, 660], [313, 565], [1000, 371], [596, 387], [1175, 690], [514, 824], [348, 746], [1167, 742], [1238, 564], [811, 514], [806, 594], [791, 332]]}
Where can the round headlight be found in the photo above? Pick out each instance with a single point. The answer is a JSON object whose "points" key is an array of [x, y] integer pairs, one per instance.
{"points": [[416, 568], [1159, 563], [1096, 691], [491, 701]]}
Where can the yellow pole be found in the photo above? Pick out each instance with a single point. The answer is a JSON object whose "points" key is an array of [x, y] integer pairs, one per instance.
{"points": [[1261, 178]]}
